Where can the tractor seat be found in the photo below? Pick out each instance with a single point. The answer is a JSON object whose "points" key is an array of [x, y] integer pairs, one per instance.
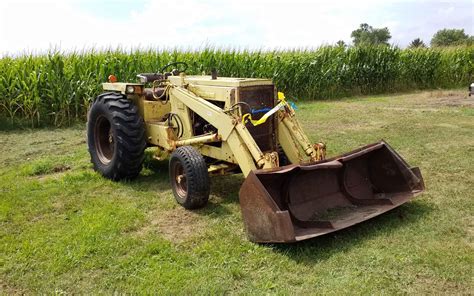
{"points": [[149, 77]]}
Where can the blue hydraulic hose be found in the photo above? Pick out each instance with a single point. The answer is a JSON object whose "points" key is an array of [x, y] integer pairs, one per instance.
{"points": [[263, 110], [266, 109]]}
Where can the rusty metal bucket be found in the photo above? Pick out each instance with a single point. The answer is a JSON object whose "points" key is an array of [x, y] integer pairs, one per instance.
{"points": [[299, 202]]}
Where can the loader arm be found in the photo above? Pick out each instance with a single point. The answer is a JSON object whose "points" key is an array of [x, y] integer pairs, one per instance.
{"points": [[294, 141], [230, 129]]}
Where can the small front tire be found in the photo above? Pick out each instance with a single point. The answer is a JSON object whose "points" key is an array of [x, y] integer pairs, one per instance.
{"points": [[189, 177]]}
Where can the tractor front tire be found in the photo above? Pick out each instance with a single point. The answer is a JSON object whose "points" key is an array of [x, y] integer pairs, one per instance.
{"points": [[189, 177], [115, 137]]}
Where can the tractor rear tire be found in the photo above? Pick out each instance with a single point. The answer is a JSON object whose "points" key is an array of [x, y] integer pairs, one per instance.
{"points": [[116, 137], [189, 177]]}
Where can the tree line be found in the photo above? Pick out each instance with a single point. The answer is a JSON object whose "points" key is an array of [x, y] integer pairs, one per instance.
{"points": [[368, 35]]}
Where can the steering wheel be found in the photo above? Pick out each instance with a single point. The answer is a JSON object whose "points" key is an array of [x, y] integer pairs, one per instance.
{"points": [[184, 68]]}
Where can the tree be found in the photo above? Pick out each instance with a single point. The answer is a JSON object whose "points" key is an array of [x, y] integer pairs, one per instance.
{"points": [[368, 35], [341, 43], [470, 40], [448, 37], [417, 43]]}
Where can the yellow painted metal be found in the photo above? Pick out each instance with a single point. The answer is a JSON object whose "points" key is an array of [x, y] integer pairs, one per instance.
{"points": [[218, 169], [240, 141], [293, 139], [220, 81], [249, 142], [183, 112], [288, 144], [298, 134], [320, 150], [210, 112], [152, 110], [270, 160], [222, 153], [122, 87], [241, 153], [191, 96], [214, 93], [198, 140], [160, 134]]}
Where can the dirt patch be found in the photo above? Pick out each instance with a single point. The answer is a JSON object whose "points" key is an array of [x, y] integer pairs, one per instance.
{"points": [[456, 102], [176, 225], [432, 101], [56, 172], [450, 99], [447, 125], [404, 109], [58, 205], [431, 285], [8, 289], [470, 232]]}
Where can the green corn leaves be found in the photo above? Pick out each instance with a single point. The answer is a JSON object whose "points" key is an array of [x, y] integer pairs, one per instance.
{"points": [[56, 88]]}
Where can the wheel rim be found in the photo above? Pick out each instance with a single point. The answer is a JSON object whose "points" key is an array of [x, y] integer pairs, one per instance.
{"points": [[179, 180], [104, 140]]}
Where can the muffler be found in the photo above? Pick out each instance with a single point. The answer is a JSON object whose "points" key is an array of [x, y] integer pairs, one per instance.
{"points": [[298, 202]]}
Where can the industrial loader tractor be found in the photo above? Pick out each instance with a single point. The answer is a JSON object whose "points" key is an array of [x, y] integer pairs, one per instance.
{"points": [[209, 126]]}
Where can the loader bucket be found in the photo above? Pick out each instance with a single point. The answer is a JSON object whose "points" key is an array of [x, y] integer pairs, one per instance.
{"points": [[299, 202]]}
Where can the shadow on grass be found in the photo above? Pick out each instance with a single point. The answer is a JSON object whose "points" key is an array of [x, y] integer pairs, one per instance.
{"points": [[8, 124], [18, 125], [321, 248], [224, 189], [154, 176], [225, 192]]}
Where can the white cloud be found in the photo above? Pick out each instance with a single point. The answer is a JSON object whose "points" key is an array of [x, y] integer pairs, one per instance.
{"points": [[32, 26]]}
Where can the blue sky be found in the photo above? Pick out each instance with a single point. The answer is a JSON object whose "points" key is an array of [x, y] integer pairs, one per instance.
{"points": [[39, 25]]}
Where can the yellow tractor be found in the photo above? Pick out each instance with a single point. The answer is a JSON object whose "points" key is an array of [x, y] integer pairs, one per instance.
{"points": [[209, 125]]}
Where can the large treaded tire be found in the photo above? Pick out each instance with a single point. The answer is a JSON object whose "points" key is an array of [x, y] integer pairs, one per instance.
{"points": [[188, 165], [115, 137]]}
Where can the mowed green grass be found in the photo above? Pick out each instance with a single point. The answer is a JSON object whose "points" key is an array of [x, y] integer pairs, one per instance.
{"points": [[64, 228]]}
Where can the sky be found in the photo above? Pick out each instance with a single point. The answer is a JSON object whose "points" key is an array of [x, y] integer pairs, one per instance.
{"points": [[36, 26]]}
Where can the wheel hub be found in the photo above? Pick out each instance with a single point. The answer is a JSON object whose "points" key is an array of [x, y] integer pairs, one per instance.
{"points": [[180, 180], [104, 140]]}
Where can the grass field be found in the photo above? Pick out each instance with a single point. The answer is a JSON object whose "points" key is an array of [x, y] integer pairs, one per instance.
{"points": [[64, 228]]}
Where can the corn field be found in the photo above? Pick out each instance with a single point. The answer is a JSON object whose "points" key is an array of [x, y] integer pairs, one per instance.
{"points": [[56, 88]]}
